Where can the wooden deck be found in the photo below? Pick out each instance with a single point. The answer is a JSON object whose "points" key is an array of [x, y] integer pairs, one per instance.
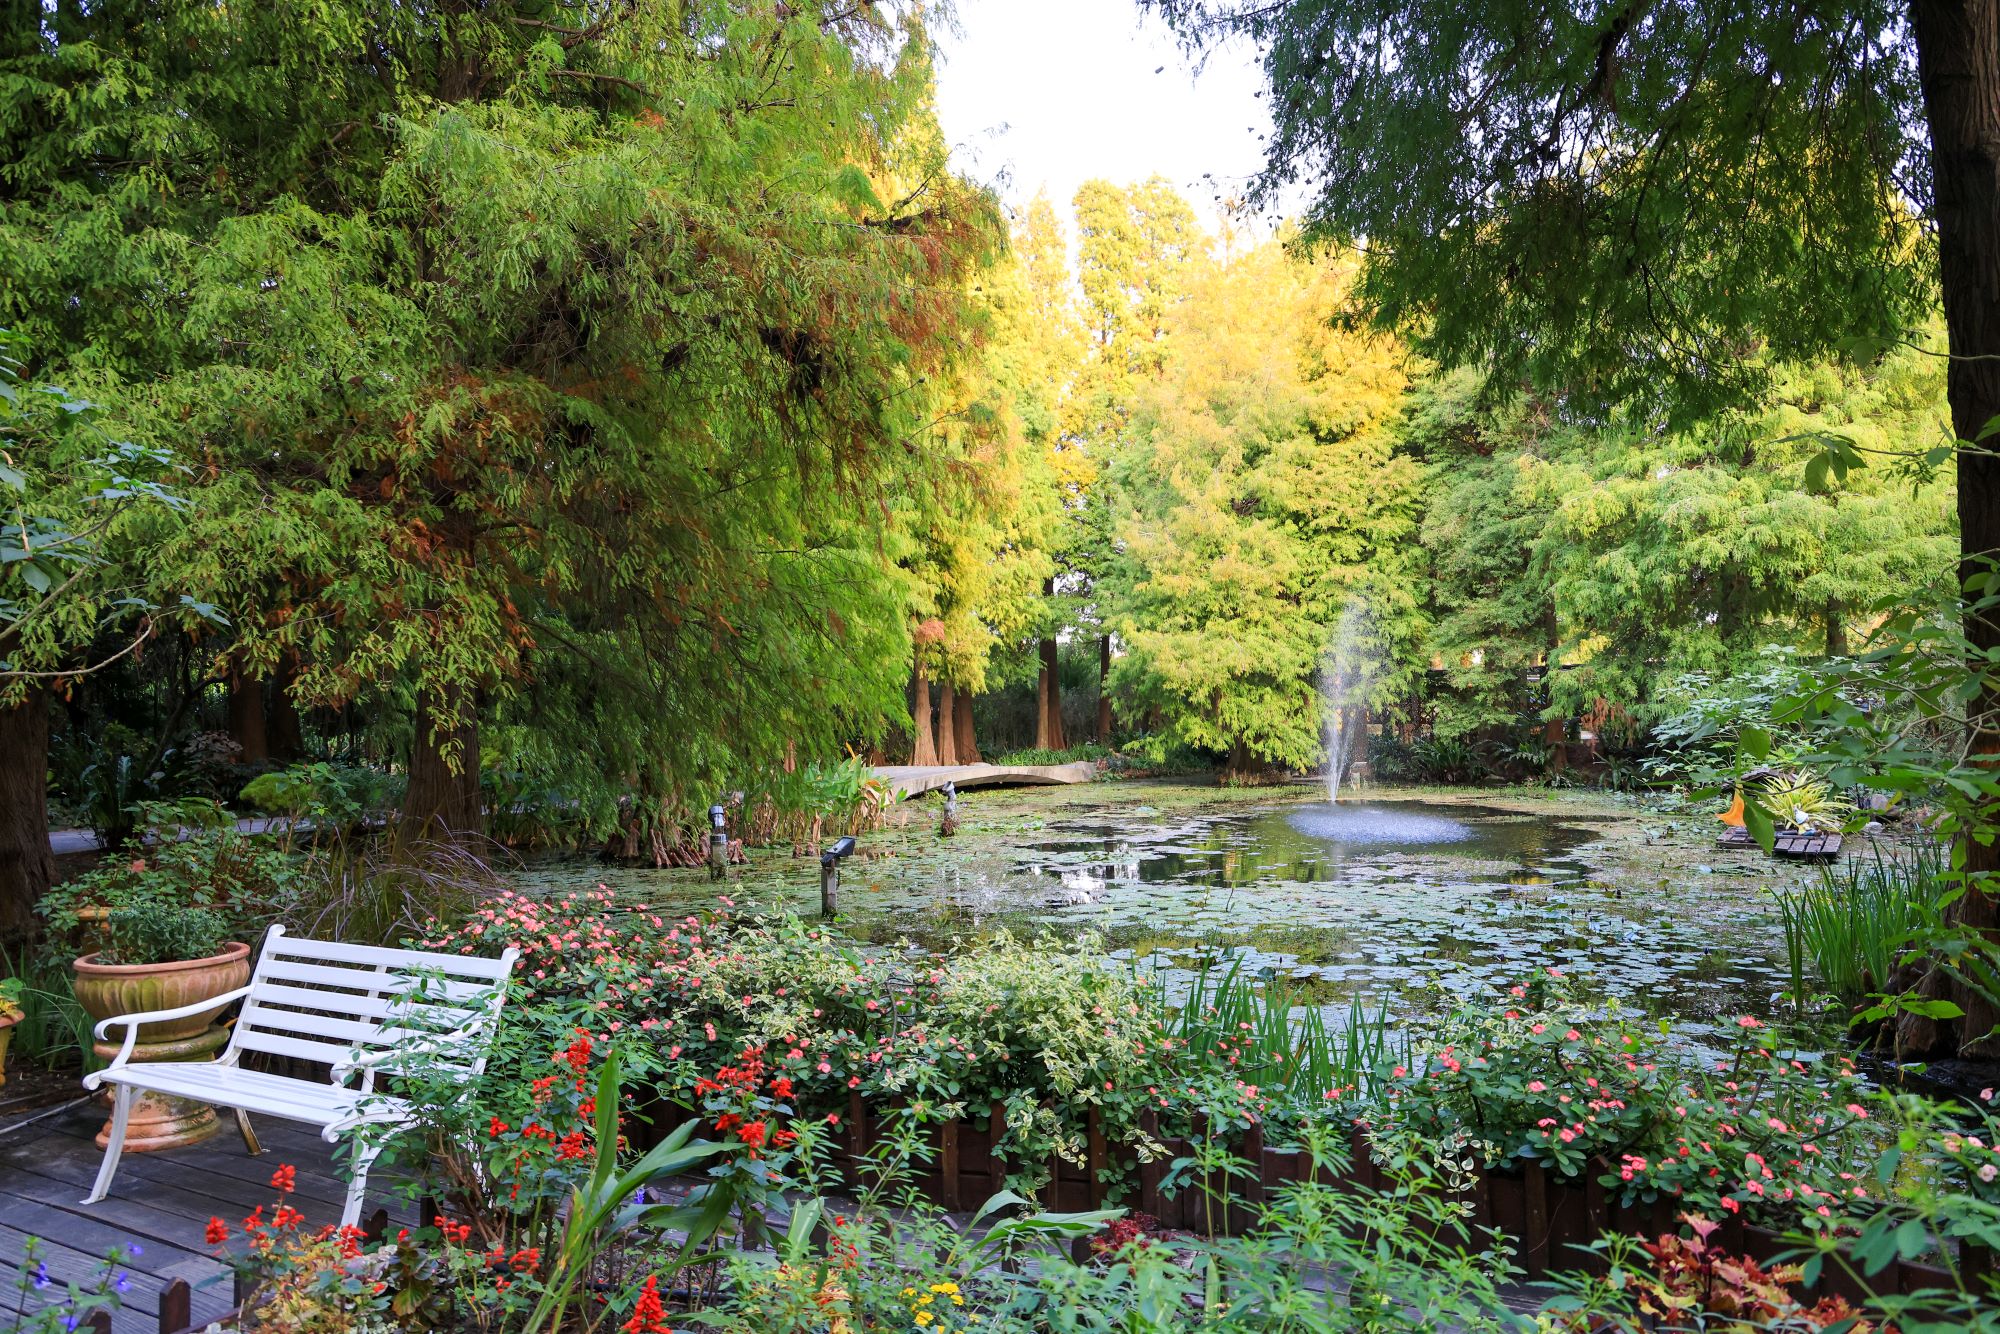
{"points": [[911, 780], [1804, 845], [161, 1202]]}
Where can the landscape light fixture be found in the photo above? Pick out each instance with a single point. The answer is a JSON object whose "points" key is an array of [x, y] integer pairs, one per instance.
{"points": [[829, 874]]}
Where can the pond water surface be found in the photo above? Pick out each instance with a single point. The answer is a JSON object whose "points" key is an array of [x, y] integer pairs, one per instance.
{"points": [[1412, 899]]}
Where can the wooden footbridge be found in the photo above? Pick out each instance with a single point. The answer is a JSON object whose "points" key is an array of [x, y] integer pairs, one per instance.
{"points": [[913, 780]]}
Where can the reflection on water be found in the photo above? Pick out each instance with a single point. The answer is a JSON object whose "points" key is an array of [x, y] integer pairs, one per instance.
{"points": [[1371, 899]]}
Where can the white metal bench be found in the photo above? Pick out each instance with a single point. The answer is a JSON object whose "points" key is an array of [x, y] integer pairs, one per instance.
{"points": [[360, 1009]]}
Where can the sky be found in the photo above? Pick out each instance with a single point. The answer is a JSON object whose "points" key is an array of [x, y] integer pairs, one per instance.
{"points": [[1051, 93]]}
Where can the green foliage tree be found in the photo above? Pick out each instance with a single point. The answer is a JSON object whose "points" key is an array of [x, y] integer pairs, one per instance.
{"points": [[1259, 492], [82, 513], [1665, 202], [1625, 556], [543, 363], [1136, 246]]}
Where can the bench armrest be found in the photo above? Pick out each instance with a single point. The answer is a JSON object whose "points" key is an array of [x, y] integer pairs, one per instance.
{"points": [[131, 1023]]}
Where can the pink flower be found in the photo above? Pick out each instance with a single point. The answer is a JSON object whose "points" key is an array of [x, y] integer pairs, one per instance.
{"points": [[1537, 1086]]}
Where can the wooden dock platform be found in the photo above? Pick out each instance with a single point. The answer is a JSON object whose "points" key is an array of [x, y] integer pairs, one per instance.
{"points": [[160, 1204]]}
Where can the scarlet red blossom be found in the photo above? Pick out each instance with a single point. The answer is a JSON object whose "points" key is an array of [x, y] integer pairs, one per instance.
{"points": [[649, 1316]]}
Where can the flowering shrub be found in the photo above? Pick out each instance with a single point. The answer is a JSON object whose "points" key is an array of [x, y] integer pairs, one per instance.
{"points": [[1542, 1077], [1046, 1032]]}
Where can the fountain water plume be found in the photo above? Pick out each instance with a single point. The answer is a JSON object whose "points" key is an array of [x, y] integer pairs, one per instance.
{"points": [[1347, 676]]}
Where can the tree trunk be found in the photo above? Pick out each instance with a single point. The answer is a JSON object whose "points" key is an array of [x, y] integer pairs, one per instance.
{"points": [[924, 750], [246, 718], [442, 801], [1836, 629], [1239, 762], [961, 726], [947, 725], [282, 735], [1958, 65], [1049, 724], [27, 868], [1104, 690]]}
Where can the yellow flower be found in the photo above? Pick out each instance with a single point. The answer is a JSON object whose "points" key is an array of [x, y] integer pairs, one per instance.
{"points": [[924, 1318]]}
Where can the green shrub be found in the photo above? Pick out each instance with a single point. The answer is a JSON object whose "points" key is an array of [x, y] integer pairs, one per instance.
{"points": [[246, 882], [162, 933], [1087, 750]]}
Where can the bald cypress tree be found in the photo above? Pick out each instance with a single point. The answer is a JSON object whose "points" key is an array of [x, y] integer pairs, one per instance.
{"points": [[543, 365]]}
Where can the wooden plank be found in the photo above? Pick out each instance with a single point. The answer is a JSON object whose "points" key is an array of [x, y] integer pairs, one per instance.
{"points": [[317, 1179], [67, 1265], [101, 1230], [376, 957], [171, 1211]]}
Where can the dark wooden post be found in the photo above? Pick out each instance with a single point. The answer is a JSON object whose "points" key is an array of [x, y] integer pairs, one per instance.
{"points": [[1245, 1200], [1095, 1158], [1150, 1172], [176, 1308], [948, 1192], [1535, 1245]]}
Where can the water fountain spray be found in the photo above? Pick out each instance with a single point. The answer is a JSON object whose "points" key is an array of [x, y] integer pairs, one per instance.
{"points": [[1347, 675]]}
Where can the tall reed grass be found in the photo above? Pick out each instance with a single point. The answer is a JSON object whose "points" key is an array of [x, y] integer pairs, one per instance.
{"points": [[1852, 929], [54, 1031], [1281, 1037]]}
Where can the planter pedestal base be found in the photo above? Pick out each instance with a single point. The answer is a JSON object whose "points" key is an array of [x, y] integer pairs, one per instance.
{"points": [[158, 1121]]}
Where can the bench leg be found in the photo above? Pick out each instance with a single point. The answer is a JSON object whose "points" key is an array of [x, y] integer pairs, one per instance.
{"points": [[249, 1135], [357, 1184], [121, 1112]]}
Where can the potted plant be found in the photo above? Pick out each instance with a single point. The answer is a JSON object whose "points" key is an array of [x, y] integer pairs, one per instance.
{"points": [[163, 956], [10, 1015]]}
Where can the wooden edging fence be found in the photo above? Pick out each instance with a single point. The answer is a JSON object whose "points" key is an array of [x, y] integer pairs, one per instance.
{"points": [[1550, 1218], [177, 1302]]}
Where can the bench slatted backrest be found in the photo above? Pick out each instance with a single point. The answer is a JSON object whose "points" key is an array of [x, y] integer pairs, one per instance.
{"points": [[321, 1000]]}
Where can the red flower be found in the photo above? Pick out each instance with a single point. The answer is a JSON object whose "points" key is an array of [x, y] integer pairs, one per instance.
{"points": [[285, 1178], [218, 1232], [650, 1315]]}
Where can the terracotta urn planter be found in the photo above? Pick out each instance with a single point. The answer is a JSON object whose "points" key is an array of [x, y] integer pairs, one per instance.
{"points": [[107, 990]]}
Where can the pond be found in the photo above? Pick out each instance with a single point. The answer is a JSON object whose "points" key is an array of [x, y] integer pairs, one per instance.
{"points": [[1401, 896]]}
